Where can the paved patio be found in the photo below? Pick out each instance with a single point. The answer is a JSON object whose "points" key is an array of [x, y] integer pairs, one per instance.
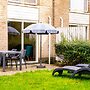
{"points": [[30, 67]]}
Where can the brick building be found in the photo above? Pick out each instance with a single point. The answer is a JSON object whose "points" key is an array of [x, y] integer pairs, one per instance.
{"points": [[21, 13], [3, 25]]}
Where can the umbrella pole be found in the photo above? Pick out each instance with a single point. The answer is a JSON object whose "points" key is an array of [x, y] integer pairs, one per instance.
{"points": [[40, 66]]}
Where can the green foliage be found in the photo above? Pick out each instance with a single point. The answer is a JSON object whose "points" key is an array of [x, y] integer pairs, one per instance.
{"points": [[75, 51]]}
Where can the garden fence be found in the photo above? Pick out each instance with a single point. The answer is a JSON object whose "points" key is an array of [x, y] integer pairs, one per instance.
{"points": [[71, 33]]}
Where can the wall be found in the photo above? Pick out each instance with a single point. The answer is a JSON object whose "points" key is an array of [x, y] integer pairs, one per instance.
{"points": [[61, 9], [89, 16], [45, 11], [3, 25], [55, 9]]}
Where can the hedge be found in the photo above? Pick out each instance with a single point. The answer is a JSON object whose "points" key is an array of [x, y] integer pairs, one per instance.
{"points": [[75, 51]]}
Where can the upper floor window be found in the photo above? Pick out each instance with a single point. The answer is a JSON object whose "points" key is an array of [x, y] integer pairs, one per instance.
{"points": [[15, 1], [30, 1], [79, 6], [24, 1]]}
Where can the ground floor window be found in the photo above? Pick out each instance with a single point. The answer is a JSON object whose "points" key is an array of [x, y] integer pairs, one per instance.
{"points": [[14, 41]]}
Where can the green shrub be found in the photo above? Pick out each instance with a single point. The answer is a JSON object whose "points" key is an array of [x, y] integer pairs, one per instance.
{"points": [[75, 51]]}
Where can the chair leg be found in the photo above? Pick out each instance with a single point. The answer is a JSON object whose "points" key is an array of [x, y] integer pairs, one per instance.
{"points": [[79, 74], [31, 58], [25, 64], [28, 58], [7, 63], [16, 64], [11, 64]]}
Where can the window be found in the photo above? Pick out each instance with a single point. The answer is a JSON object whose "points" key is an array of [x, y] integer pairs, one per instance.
{"points": [[24, 1], [80, 6], [86, 5], [30, 1], [15, 1]]}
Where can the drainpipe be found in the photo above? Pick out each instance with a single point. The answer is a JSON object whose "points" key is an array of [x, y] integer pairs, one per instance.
{"points": [[53, 11], [39, 11], [61, 21]]}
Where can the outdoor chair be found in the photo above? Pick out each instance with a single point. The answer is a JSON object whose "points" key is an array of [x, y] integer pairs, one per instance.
{"points": [[16, 58], [29, 52], [8, 58], [23, 57], [73, 70]]}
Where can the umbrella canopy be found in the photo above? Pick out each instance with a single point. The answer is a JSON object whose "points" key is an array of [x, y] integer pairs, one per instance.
{"points": [[12, 31], [40, 28]]}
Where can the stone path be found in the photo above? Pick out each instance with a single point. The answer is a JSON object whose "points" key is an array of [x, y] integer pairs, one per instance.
{"points": [[31, 67]]}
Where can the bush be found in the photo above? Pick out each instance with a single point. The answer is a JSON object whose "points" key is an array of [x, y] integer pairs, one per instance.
{"points": [[75, 51]]}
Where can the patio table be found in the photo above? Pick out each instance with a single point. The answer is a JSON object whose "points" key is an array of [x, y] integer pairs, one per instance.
{"points": [[3, 54]]}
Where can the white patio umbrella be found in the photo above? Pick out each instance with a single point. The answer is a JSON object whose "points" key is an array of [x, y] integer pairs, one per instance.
{"points": [[13, 31], [40, 28]]}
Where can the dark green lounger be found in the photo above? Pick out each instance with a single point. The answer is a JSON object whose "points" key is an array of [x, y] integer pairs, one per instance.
{"points": [[83, 65], [73, 69]]}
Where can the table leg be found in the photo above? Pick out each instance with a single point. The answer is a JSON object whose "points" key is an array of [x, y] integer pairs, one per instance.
{"points": [[4, 64], [20, 62]]}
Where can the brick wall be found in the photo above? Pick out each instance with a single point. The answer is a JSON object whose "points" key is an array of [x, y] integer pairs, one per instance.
{"points": [[3, 25], [55, 9], [45, 10], [89, 16], [61, 9], [89, 6]]}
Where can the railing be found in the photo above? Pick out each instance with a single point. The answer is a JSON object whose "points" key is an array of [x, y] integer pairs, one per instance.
{"points": [[71, 33]]}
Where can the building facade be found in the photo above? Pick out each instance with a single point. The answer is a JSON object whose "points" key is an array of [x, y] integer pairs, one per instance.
{"points": [[3, 25], [60, 13], [79, 14]]}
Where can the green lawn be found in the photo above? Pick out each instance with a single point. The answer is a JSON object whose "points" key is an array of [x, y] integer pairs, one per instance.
{"points": [[43, 80]]}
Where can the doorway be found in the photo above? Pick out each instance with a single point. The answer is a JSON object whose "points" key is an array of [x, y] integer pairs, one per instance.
{"points": [[14, 41]]}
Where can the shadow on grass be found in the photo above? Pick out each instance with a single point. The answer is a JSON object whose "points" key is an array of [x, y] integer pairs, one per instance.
{"points": [[83, 77]]}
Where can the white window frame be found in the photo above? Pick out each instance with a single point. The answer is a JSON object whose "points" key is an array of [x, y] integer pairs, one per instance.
{"points": [[23, 1], [83, 10], [86, 5], [26, 2], [16, 1]]}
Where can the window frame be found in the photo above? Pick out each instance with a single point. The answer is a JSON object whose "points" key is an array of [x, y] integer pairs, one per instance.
{"points": [[85, 7], [23, 2]]}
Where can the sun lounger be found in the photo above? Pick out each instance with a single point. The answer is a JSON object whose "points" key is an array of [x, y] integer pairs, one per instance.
{"points": [[83, 65], [73, 70]]}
